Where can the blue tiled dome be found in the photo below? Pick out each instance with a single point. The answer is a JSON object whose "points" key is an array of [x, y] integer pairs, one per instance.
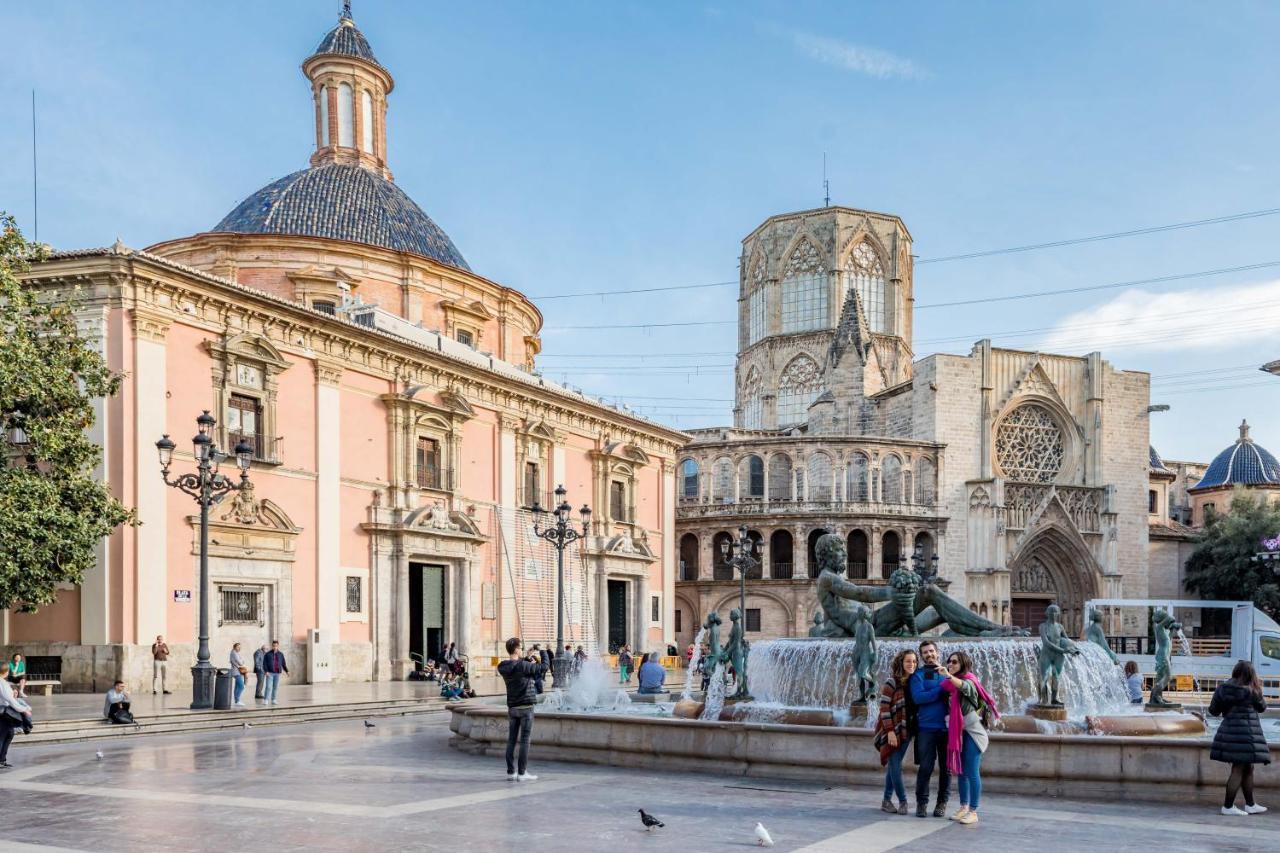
{"points": [[346, 40], [1243, 463], [343, 202]]}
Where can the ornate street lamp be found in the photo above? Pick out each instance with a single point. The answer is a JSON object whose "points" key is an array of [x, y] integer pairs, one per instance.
{"points": [[208, 487], [926, 569], [740, 554], [560, 534]]}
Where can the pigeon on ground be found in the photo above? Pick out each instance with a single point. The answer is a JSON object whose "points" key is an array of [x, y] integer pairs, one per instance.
{"points": [[649, 821], [369, 725], [248, 725], [99, 754], [762, 836]]}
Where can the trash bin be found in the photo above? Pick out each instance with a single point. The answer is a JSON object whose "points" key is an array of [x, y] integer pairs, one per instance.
{"points": [[222, 690]]}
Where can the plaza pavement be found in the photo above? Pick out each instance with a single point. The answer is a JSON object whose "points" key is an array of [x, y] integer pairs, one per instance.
{"points": [[399, 786]]}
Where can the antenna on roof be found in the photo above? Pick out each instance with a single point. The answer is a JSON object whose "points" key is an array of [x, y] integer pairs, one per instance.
{"points": [[826, 185], [35, 185]]}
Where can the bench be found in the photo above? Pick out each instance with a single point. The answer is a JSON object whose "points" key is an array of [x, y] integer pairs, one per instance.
{"points": [[44, 672]]}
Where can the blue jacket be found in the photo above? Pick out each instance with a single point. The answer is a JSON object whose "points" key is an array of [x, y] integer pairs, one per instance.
{"points": [[651, 676], [930, 701]]}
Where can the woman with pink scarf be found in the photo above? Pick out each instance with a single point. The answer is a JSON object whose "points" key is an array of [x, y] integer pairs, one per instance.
{"points": [[967, 732]]}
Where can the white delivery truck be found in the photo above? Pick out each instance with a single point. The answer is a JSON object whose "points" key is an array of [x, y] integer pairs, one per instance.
{"points": [[1255, 637]]}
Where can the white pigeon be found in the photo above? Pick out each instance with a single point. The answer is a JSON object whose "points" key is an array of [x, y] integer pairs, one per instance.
{"points": [[763, 838], [248, 725], [99, 754]]}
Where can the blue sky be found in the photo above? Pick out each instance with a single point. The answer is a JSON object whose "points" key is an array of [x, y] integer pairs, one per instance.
{"points": [[574, 147]]}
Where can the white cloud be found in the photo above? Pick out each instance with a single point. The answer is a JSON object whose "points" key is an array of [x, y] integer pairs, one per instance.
{"points": [[852, 57], [1206, 319]]}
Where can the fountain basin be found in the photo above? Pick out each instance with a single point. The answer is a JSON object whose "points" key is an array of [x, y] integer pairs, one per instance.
{"points": [[1158, 768]]}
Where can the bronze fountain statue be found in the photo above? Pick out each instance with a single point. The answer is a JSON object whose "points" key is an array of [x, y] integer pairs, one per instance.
{"points": [[913, 604]]}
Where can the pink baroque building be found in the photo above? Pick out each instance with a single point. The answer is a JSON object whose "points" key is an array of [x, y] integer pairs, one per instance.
{"points": [[399, 427]]}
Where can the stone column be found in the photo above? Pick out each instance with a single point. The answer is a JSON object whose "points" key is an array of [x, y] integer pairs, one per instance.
{"points": [[151, 569], [706, 555], [602, 608], [766, 555], [328, 441], [463, 594], [799, 552], [642, 607], [401, 664], [985, 437], [506, 510], [874, 553], [670, 562], [95, 588]]}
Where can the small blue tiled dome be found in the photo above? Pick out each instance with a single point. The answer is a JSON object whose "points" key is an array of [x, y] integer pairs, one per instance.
{"points": [[346, 40], [1243, 463], [343, 202]]}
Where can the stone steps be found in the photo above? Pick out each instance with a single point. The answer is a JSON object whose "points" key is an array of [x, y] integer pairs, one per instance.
{"points": [[66, 731]]}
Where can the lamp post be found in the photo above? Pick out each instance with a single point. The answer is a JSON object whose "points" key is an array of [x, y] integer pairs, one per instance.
{"points": [[740, 554], [208, 487], [560, 534], [1271, 555], [926, 569]]}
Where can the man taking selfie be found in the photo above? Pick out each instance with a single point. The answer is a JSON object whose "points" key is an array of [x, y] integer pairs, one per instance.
{"points": [[521, 674], [931, 740]]}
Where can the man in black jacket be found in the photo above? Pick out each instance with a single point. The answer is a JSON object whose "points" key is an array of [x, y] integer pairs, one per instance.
{"points": [[520, 675]]}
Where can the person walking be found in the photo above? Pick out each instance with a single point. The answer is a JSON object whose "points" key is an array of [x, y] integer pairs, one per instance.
{"points": [[15, 714], [238, 672], [273, 664], [1133, 682], [894, 727], [259, 674], [18, 675], [519, 674], [160, 665], [925, 691], [1239, 740], [624, 665], [967, 738]]}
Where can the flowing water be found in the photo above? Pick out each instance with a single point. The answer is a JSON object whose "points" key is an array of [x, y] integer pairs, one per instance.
{"points": [[593, 688], [812, 673], [693, 663]]}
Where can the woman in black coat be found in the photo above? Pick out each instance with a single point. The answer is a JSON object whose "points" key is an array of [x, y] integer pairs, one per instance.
{"points": [[1239, 740]]}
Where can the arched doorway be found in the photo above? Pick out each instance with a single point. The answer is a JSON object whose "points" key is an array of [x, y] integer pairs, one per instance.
{"points": [[720, 570], [857, 548], [1053, 568], [814, 536], [758, 552], [689, 557], [781, 561], [890, 553]]}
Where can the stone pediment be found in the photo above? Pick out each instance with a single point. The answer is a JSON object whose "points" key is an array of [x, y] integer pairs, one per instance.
{"points": [[1033, 381], [315, 274], [246, 527], [625, 545], [247, 345], [438, 520], [625, 451], [474, 308]]}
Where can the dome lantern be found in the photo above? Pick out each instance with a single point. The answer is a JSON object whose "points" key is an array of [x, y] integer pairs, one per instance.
{"points": [[1244, 463], [349, 88]]}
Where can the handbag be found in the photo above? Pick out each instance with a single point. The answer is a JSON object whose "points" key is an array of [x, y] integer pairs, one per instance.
{"points": [[244, 670]]}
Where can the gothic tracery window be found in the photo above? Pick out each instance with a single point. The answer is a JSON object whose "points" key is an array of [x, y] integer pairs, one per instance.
{"points": [[799, 386], [865, 272], [1030, 445], [752, 404], [757, 303], [804, 290]]}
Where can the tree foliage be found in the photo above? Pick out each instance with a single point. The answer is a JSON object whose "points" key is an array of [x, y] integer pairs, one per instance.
{"points": [[1222, 567], [53, 513]]}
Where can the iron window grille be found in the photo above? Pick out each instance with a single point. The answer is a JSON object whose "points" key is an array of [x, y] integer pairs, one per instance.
{"points": [[241, 605], [355, 595]]}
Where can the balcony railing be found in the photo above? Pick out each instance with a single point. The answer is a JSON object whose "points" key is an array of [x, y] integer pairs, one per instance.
{"points": [[431, 477], [624, 514], [757, 506], [722, 572], [858, 569], [265, 448], [782, 570]]}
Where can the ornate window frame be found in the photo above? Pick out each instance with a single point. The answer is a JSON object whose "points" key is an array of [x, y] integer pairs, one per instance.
{"points": [[463, 316], [616, 462], [535, 441], [232, 359], [361, 615], [314, 284], [412, 418]]}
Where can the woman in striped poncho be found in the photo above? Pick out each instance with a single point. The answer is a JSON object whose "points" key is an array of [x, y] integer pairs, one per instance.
{"points": [[894, 727]]}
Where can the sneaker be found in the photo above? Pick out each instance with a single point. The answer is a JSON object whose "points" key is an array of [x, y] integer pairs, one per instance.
{"points": [[902, 807], [1254, 809], [969, 818], [168, 692], [1233, 810], [964, 810], [940, 810], [526, 777], [887, 806], [511, 777], [5, 764], [154, 692], [922, 810]]}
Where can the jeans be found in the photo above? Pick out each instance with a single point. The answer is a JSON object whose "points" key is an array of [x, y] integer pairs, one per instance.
{"points": [[159, 674], [970, 773], [931, 747], [519, 728], [239, 687], [893, 783], [273, 684], [259, 683]]}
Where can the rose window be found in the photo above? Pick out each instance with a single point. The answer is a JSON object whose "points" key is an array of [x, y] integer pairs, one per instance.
{"points": [[1029, 445]]}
